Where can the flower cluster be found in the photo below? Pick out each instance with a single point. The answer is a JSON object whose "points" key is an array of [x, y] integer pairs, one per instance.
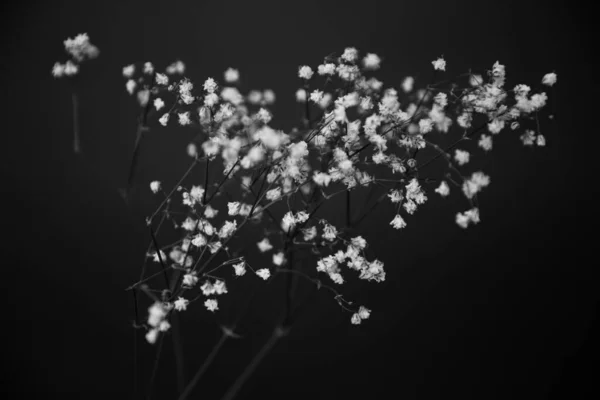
{"points": [[358, 135], [79, 49]]}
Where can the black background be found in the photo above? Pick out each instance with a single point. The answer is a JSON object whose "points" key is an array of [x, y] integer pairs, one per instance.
{"points": [[503, 310]]}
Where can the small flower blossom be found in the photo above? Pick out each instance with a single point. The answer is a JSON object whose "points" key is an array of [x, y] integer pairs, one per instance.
{"points": [[181, 304], [356, 320], [407, 84], [443, 189], [234, 208], [279, 258], [155, 186], [350, 54], [305, 72], [240, 268], [316, 96], [210, 85], [301, 95], [549, 79], [211, 305], [184, 118], [371, 62], [232, 75], [461, 156], [148, 68], [485, 142], [363, 312], [398, 222], [470, 216], [162, 79], [164, 119], [210, 212], [130, 85], [326, 69], [128, 71], [158, 103], [190, 280], [264, 273], [439, 64], [152, 335]]}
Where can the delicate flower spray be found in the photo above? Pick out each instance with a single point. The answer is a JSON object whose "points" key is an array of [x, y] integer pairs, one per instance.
{"points": [[357, 135], [80, 49]]}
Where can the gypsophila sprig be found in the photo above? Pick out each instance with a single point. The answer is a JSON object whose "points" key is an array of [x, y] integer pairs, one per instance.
{"points": [[272, 202]]}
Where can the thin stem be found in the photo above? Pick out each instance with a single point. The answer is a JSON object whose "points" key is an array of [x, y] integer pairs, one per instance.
{"points": [[76, 139], [190, 386], [277, 334]]}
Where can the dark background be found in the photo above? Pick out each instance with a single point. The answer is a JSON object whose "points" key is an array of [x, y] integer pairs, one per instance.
{"points": [[503, 310]]}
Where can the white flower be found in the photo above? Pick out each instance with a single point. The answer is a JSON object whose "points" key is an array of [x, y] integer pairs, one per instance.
{"points": [[321, 178], [425, 125], [398, 222], [350, 54], [158, 103], [58, 70], [152, 335], [469, 216], [211, 99], [443, 189], [326, 69], [264, 115], [301, 217], [164, 326], [181, 304], [407, 84], [288, 221], [301, 95], [232, 75], [211, 305], [356, 320], [264, 245], [240, 268], [485, 142], [461, 156], [269, 96], [309, 233], [395, 196], [71, 68], [549, 79], [210, 85], [220, 287], [190, 280], [162, 79], [264, 273], [329, 232], [148, 68], [279, 258], [305, 72], [316, 96], [128, 71], [474, 184], [130, 85], [439, 64], [184, 118], [227, 229], [156, 314], [178, 67], [164, 119], [371, 62], [541, 140], [234, 208], [363, 312], [210, 212], [155, 186]]}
